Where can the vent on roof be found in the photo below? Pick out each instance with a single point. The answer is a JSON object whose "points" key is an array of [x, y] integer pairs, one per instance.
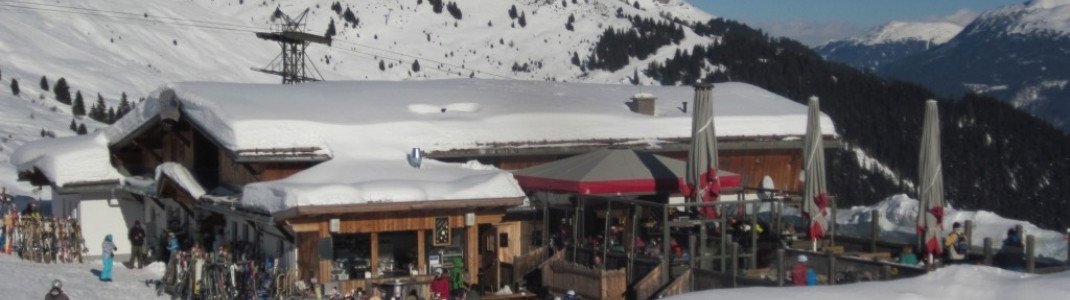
{"points": [[643, 104], [416, 158]]}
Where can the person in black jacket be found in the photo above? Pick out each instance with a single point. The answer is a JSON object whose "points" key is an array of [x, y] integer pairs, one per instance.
{"points": [[137, 243], [56, 293]]}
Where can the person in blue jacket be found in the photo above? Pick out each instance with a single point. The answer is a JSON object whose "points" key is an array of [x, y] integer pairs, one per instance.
{"points": [[108, 255]]}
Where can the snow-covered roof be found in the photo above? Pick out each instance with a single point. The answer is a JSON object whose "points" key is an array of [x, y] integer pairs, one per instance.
{"points": [[181, 176], [71, 160], [368, 127], [388, 118]]}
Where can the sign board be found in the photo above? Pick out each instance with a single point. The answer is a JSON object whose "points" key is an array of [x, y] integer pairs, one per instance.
{"points": [[442, 235], [335, 225]]}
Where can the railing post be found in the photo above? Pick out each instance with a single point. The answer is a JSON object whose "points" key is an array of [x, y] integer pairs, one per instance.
{"points": [[666, 252], [704, 247], [516, 273], [735, 263], [780, 267], [1030, 251], [969, 233], [832, 267], [987, 258], [874, 229], [691, 252]]}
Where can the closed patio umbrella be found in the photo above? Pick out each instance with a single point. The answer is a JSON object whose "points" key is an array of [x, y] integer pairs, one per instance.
{"points": [[702, 179], [930, 184], [815, 196]]}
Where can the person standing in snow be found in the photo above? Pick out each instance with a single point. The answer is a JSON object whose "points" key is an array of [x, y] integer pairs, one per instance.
{"points": [[56, 293], [137, 242], [108, 254]]}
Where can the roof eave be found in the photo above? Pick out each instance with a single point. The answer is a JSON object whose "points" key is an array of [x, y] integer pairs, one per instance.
{"points": [[341, 209]]}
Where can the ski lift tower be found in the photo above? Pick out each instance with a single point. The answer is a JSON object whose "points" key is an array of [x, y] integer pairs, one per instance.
{"points": [[292, 64]]}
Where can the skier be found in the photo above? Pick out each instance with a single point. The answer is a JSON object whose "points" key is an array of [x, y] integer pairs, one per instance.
{"points": [[108, 254], [56, 293]]}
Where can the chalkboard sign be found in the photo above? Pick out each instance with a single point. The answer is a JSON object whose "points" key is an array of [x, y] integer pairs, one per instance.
{"points": [[442, 235]]}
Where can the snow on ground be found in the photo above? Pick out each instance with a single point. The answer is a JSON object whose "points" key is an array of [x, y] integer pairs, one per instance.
{"points": [[954, 282], [898, 220], [33, 280]]}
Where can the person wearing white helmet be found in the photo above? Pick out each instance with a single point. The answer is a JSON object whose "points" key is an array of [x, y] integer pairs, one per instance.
{"points": [[440, 286], [570, 295], [56, 293], [801, 274]]}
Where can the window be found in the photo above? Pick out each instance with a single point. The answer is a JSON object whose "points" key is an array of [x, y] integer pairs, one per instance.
{"points": [[352, 256]]}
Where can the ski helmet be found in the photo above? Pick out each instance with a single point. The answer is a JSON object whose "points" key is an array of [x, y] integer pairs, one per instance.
{"points": [[57, 284]]}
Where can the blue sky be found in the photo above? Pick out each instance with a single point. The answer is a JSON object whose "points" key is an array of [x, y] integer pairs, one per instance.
{"points": [[816, 21]]}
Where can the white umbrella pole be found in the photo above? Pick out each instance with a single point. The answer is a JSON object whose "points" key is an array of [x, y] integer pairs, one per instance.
{"points": [[813, 244]]}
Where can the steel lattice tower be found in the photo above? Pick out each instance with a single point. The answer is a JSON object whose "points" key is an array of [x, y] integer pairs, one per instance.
{"points": [[293, 63]]}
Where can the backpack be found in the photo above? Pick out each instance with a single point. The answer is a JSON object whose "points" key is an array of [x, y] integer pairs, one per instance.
{"points": [[961, 246]]}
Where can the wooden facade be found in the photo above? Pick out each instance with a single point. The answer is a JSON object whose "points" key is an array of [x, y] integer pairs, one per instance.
{"points": [[479, 242]]}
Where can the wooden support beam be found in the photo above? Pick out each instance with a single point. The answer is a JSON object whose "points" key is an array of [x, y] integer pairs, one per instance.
{"points": [[421, 252], [375, 254]]}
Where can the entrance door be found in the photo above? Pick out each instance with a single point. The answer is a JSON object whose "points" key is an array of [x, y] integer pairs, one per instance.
{"points": [[489, 269]]}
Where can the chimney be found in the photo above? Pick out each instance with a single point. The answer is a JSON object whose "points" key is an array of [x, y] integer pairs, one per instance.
{"points": [[644, 103]]}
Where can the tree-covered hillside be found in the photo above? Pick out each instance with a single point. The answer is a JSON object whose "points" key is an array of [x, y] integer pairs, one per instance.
{"points": [[995, 157]]}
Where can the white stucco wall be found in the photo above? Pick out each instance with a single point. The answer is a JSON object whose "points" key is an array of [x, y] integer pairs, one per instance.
{"points": [[103, 213]]}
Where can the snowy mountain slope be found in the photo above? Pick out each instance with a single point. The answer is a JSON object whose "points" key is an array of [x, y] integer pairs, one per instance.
{"points": [[888, 43], [1016, 53], [126, 46]]}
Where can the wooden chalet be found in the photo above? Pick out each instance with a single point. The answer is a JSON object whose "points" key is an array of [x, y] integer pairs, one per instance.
{"points": [[178, 168]]}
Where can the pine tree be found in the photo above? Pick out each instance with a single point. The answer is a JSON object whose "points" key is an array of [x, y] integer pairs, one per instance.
{"points": [[15, 86], [523, 21], [382, 66], [73, 126], [330, 29], [97, 112], [62, 91], [44, 83], [78, 108], [112, 116], [82, 130], [124, 107], [416, 65], [512, 12]]}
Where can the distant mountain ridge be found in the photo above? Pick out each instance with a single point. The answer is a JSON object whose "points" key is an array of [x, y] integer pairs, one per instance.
{"points": [[887, 43], [1017, 53]]}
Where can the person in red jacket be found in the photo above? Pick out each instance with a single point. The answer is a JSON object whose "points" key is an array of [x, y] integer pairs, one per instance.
{"points": [[440, 286], [798, 271]]}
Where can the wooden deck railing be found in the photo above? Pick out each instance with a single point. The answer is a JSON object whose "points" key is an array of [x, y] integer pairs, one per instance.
{"points": [[559, 276], [650, 284]]}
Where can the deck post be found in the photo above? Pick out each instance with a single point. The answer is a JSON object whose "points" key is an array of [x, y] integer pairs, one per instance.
{"points": [[735, 263], [832, 267], [874, 229], [666, 251], [780, 267], [691, 251], [1030, 254], [986, 258]]}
